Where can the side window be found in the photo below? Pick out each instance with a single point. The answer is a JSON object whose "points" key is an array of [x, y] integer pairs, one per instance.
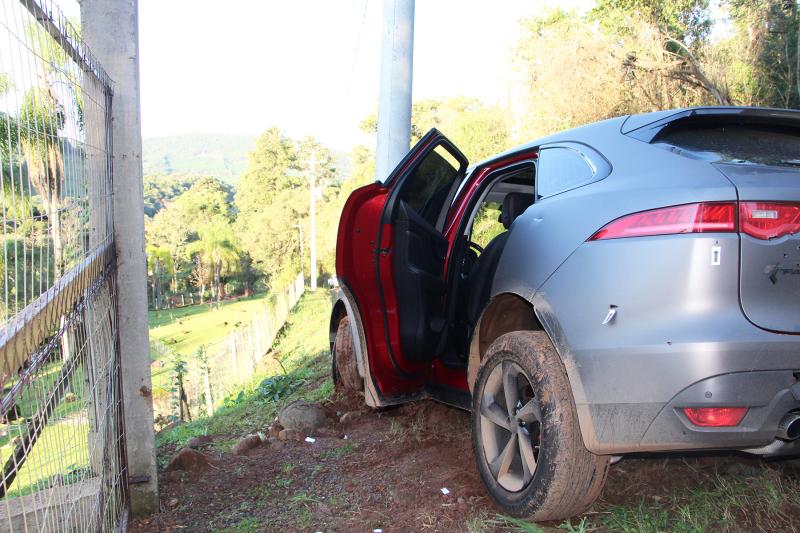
{"points": [[562, 169], [429, 186]]}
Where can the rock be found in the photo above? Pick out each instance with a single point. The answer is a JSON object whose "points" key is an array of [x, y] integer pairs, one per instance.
{"points": [[290, 434], [302, 416], [274, 429], [189, 460], [173, 503], [246, 444], [199, 441], [349, 417]]}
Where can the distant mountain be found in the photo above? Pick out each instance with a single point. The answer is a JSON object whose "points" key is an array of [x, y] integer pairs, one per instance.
{"points": [[220, 155]]}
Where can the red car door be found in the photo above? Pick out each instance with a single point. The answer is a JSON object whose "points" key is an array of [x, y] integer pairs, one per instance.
{"points": [[391, 254]]}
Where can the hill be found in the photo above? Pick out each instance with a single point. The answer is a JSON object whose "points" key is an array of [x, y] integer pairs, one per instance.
{"points": [[210, 154]]}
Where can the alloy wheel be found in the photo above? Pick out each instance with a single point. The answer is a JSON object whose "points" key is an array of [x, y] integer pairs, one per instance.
{"points": [[510, 426]]}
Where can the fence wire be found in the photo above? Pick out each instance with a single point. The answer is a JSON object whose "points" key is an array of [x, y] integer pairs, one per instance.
{"points": [[61, 434], [191, 385]]}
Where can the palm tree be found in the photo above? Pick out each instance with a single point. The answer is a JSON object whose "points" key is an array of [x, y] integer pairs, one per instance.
{"points": [[159, 262], [218, 250]]}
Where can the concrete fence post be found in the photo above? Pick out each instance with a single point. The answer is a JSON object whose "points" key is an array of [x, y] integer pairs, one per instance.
{"points": [[111, 30]]}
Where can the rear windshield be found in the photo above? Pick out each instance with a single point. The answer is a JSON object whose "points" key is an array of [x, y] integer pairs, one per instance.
{"points": [[753, 144]]}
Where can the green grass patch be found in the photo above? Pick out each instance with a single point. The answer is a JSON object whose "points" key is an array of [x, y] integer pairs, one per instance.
{"points": [[185, 329], [763, 501], [303, 348]]}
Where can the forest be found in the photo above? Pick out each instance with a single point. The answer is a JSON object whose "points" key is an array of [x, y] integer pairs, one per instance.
{"points": [[208, 240]]}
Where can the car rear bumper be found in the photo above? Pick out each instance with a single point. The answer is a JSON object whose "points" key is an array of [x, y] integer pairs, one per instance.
{"points": [[768, 395]]}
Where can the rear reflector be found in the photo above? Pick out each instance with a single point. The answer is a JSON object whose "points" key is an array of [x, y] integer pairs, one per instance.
{"points": [[715, 416], [713, 217], [769, 220]]}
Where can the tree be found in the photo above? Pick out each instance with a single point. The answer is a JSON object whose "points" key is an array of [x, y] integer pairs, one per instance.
{"points": [[218, 250], [43, 117], [271, 167], [688, 21], [272, 200], [762, 57], [159, 262]]}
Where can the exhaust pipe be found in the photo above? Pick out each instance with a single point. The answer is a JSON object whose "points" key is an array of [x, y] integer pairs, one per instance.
{"points": [[789, 427]]}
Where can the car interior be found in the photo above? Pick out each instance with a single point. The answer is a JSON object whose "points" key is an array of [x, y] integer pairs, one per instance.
{"points": [[478, 250]]}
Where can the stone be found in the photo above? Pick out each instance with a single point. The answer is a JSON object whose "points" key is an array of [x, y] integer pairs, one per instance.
{"points": [[189, 460], [246, 444], [302, 416], [173, 502], [290, 434], [199, 441]]}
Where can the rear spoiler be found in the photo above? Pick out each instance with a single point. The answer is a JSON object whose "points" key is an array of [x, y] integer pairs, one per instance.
{"points": [[648, 126]]}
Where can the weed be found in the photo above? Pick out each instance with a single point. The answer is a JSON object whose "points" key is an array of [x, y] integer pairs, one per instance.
{"points": [[336, 453], [581, 527], [510, 523]]}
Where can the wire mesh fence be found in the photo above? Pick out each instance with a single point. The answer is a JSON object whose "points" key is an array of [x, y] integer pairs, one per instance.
{"points": [[199, 381], [61, 446]]}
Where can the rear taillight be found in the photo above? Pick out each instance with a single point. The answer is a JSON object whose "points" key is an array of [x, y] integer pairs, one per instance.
{"points": [[714, 217], [715, 416], [769, 220]]}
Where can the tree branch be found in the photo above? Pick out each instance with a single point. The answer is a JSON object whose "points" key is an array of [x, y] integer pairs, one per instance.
{"points": [[699, 74]]}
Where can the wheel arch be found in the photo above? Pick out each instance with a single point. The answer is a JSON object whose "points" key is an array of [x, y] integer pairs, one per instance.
{"points": [[505, 312], [346, 304]]}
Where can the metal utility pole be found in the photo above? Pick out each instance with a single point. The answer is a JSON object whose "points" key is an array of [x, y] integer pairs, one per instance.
{"points": [[311, 171], [111, 29], [394, 103]]}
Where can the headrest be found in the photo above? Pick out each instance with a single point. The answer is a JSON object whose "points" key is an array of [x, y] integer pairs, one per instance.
{"points": [[514, 204]]}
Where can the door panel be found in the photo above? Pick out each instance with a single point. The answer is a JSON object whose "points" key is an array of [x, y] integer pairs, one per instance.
{"points": [[411, 257], [418, 263]]}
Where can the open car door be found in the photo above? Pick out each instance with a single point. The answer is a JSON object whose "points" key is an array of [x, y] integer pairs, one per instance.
{"points": [[411, 256], [390, 256]]}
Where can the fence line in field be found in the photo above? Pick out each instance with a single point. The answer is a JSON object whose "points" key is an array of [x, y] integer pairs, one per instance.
{"points": [[210, 375]]}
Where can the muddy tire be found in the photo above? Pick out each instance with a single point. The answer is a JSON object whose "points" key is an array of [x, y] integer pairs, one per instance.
{"points": [[531, 457], [345, 367]]}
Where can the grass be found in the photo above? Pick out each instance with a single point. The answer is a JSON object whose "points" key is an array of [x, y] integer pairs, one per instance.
{"points": [[187, 328], [60, 455], [760, 501], [303, 345]]}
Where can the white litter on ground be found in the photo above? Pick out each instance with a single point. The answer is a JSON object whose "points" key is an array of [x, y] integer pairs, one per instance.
{"points": [[445, 491], [311, 439]]}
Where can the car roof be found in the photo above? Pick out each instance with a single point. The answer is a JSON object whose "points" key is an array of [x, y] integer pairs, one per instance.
{"points": [[655, 121]]}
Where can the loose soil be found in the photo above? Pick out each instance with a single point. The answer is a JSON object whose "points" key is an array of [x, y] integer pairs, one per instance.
{"points": [[389, 473]]}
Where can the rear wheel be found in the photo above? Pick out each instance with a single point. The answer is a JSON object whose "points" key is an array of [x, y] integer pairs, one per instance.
{"points": [[525, 432], [345, 366]]}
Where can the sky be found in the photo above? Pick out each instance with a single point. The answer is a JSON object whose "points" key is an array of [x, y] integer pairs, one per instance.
{"points": [[310, 67]]}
